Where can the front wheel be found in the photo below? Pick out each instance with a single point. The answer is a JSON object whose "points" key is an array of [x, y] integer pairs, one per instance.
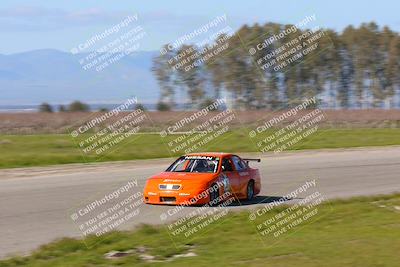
{"points": [[250, 190], [214, 195]]}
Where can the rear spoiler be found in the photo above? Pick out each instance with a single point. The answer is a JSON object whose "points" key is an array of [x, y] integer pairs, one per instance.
{"points": [[258, 160]]}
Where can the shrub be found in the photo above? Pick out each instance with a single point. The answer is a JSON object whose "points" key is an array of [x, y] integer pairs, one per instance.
{"points": [[78, 106], [45, 107], [162, 106]]}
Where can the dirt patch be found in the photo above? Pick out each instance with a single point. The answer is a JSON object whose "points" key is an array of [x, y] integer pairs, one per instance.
{"points": [[144, 254]]}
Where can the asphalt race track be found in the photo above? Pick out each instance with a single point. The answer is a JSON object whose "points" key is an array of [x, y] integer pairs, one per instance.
{"points": [[35, 203]]}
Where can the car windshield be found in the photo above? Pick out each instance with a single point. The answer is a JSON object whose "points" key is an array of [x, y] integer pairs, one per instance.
{"points": [[200, 164]]}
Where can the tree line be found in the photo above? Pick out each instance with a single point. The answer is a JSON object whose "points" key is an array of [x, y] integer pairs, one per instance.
{"points": [[77, 106], [356, 68]]}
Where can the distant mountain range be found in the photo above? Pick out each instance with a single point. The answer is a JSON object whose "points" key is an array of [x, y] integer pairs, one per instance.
{"points": [[57, 77]]}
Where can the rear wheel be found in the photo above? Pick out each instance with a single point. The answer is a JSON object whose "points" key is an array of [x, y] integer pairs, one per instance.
{"points": [[214, 194], [250, 190]]}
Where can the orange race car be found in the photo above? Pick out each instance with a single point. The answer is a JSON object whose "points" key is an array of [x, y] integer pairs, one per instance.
{"points": [[203, 178]]}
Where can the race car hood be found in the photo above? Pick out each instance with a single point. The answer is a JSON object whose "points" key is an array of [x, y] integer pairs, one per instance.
{"points": [[183, 178]]}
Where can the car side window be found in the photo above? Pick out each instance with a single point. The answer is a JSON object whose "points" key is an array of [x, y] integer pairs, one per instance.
{"points": [[239, 164], [227, 165]]}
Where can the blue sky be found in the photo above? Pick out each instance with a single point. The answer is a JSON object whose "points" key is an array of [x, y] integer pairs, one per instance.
{"points": [[62, 24]]}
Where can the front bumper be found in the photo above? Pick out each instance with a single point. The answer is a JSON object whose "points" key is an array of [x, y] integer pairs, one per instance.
{"points": [[166, 197]]}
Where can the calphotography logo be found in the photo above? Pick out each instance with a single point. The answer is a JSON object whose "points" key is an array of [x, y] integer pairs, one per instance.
{"points": [[200, 129], [190, 225], [283, 130], [284, 215], [111, 45], [198, 47], [278, 52], [109, 211], [104, 133]]}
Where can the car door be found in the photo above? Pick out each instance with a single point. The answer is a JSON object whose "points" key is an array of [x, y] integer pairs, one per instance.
{"points": [[242, 174], [229, 171]]}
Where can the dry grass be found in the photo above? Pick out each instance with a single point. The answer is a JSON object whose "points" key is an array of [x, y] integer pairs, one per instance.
{"points": [[34, 123]]}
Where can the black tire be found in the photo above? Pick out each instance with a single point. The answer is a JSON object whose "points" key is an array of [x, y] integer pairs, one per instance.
{"points": [[214, 194], [250, 190]]}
